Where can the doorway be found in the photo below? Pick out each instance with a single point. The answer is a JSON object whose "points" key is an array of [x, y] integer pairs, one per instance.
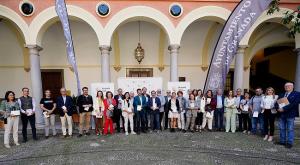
{"points": [[52, 79]]}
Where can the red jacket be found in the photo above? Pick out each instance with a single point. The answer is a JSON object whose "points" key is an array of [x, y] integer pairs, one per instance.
{"points": [[106, 105]]}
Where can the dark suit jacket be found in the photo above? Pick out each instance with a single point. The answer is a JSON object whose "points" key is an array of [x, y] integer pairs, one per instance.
{"points": [[157, 101], [177, 105], [116, 97], [137, 101], [68, 104], [291, 110]]}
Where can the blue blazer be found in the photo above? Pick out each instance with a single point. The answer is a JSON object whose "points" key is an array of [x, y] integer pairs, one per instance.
{"points": [[291, 110], [157, 101], [137, 101], [69, 105]]}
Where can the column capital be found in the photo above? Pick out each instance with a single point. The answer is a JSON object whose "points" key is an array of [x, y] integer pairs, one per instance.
{"points": [[34, 49], [105, 49], [174, 47], [242, 48]]}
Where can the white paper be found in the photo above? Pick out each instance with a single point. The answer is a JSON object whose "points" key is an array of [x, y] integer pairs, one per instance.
{"points": [[29, 112], [246, 108], [15, 113], [86, 108], [46, 115], [192, 105], [255, 114], [139, 108], [64, 107], [154, 105], [208, 100], [281, 105]]}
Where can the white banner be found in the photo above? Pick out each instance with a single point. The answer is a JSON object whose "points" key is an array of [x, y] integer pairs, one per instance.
{"points": [[132, 84], [179, 86], [104, 87]]}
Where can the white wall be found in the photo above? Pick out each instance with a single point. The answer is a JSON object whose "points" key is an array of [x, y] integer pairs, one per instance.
{"points": [[13, 76]]}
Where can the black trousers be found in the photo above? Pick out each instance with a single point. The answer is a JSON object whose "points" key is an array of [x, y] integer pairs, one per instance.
{"points": [[117, 118], [25, 120], [199, 118], [240, 122], [246, 120], [166, 119], [161, 116], [269, 120]]}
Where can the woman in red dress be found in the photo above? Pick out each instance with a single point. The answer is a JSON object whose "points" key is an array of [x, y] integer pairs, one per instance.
{"points": [[109, 104]]}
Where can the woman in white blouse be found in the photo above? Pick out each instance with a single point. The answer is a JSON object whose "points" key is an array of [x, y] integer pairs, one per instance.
{"points": [[127, 112], [267, 105], [231, 111], [173, 106], [98, 113]]}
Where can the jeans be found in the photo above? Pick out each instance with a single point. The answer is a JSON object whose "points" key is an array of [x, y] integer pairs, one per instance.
{"points": [[25, 120], [257, 120], [286, 126], [155, 125], [181, 120], [140, 121], [218, 117]]}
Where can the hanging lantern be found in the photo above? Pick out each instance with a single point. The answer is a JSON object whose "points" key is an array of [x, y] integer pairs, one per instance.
{"points": [[139, 52]]}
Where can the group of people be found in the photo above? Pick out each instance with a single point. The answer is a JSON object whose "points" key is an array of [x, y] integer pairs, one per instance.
{"points": [[142, 113]]}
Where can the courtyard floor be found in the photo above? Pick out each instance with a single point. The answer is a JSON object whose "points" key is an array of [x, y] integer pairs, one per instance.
{"points": [[153, 148]]}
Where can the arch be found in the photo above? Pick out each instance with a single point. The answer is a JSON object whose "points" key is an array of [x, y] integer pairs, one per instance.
{"points": [[132, 13], [214, 13], [276, 17], [47, 17], [20, 24]]}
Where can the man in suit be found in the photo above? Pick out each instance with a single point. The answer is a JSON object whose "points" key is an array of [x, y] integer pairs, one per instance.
{"points": [[219, 112], [85, 105], [239, 97], [118, 110], [154, 105], [147, 115], [139, 105], [64, 106], [167, 99], [287, 115]]}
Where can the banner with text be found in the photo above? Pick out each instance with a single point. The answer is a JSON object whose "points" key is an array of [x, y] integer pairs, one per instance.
{"points": [[237, 25], [61, 10], [132, 84], [104, 87]]}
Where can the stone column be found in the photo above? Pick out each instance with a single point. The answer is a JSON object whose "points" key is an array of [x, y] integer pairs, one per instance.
{"points": [[36, 81], [174, 51], [239, 69], [105, 63], [297, 76]]}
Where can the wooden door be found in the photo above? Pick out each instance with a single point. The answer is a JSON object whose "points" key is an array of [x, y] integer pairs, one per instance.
{"points": [[52, 80]]}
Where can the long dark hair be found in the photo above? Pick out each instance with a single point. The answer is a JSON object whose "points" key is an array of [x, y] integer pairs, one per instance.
{"points": [[126, 94], [112, 95], [102, 97], [7, 93]]}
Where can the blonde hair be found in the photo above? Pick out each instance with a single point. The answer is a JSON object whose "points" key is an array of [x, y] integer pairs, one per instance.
{"points": [[272, 89]]}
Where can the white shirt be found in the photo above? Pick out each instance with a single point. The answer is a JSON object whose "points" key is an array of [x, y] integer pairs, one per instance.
{"points": [[173, 106], [268, 101]]}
